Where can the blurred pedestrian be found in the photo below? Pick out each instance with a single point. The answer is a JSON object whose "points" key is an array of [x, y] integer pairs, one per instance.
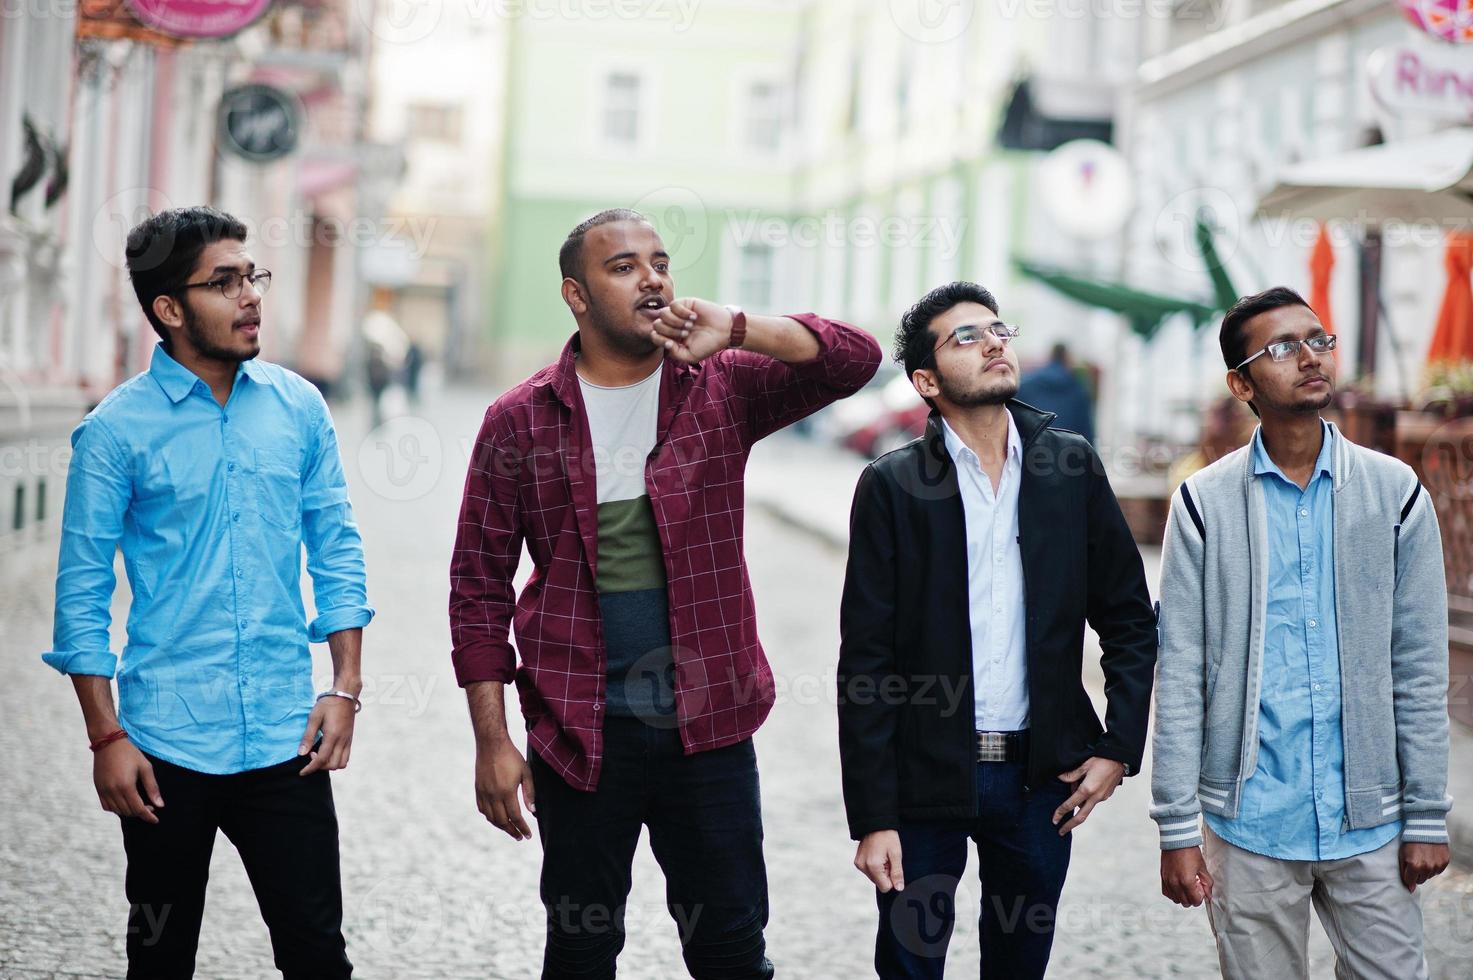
{"points": [[387, 348], [1301, 708], [642, 678], [1055, 387], [976, 557], [210, 471], [414, 362]]}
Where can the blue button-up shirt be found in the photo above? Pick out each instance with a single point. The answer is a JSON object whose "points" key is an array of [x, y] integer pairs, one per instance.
{"points": [[211, 507], [1293, 805]]}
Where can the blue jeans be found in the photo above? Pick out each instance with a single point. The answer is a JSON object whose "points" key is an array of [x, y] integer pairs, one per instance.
{"points": [[704, 813], [1023, 863]]}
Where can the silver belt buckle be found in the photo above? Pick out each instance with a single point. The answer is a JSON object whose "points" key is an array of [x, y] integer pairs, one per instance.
{"points": [[992, 747]]}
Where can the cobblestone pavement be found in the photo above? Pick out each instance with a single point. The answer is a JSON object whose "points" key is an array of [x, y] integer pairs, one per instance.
{"points": [[431, 890]]}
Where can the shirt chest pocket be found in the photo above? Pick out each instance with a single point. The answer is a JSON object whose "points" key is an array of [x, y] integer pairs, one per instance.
{"points": [[279, 488]]}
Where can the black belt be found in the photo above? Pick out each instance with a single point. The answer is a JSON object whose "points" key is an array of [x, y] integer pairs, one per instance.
{"points": [[1002, 746]]}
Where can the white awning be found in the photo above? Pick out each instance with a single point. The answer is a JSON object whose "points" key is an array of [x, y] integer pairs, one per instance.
{"points": [[1427, 179]]}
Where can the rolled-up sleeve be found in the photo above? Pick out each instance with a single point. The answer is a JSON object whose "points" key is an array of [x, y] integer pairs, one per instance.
{"points": [[488, 546], [330, 533], [98, 491], [778, 394]]}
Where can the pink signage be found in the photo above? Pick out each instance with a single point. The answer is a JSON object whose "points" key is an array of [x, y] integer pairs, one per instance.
{"points": [[1448, 20], [198, 18], [1424, 79]]}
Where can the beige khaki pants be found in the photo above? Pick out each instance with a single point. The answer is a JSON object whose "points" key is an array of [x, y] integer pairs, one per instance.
{"points": [[1260, 914]]}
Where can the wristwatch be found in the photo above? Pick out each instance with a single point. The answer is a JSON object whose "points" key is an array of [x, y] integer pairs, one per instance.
{"points": [[738, 327]]}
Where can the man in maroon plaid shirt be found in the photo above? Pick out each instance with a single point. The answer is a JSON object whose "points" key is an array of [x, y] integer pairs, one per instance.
{"points": [[641, 678]]}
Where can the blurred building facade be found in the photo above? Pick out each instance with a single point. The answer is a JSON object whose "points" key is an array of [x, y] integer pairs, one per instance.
{"points": [[656, 113], [1224, 99], [103, 121], [831, 155], [438, 92]]}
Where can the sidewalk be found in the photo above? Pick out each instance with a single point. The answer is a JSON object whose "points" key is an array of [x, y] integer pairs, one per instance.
{"points": [[805, 484], [809, 485], [1460, 788]]}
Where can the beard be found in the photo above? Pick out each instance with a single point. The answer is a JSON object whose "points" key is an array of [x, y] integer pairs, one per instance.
{"points": [[996, 393], [1304, 404], [205, 346], [617, 333]]}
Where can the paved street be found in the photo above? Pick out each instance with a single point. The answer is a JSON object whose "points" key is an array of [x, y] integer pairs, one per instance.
{"points": [[431, 890]]}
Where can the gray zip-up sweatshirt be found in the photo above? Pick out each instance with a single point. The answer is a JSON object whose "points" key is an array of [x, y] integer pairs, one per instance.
{"points": [[1391, 619]]}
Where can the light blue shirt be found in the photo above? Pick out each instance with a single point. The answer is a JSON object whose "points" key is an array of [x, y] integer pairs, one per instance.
{"points": [[1293, 805], [211, 507]]}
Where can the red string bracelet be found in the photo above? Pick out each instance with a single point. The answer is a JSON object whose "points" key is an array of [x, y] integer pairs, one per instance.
{"points": [[107, 740]]}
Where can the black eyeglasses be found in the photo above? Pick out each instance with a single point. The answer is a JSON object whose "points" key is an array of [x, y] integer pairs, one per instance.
{"points": [[1283, 350], [230, 283]]}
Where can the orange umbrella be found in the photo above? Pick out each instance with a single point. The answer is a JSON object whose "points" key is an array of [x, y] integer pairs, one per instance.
{"points": [[1452, 340], [1321, 262]]}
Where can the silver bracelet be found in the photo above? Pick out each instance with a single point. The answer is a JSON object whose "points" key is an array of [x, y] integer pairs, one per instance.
{"points": [[357, 705]]}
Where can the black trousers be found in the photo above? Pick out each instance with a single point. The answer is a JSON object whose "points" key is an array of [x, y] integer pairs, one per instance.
{"points": [[704, 813], [286, 830]]}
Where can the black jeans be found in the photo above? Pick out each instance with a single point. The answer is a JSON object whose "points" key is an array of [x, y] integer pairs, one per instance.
{"points": [[704, 813], [286, 830], [1022, 860]]}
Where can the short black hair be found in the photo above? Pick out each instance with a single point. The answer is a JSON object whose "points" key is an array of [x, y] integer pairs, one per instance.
{"points": [[162, 251], [1233, 337], [914, 345], [570, 256]]}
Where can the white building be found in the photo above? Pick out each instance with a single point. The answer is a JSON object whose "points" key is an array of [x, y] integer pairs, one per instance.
{"points": [[1224, 99]]}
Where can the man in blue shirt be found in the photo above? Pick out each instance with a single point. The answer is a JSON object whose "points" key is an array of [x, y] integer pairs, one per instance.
{"points": [[1302, 689], [211, 470]]}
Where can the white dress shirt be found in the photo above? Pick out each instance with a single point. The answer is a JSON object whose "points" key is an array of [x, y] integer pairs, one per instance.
{"points": [[994, 584]]}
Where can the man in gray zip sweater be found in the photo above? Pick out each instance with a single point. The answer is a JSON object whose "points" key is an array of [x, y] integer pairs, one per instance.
{"points": [[1301, 691]]}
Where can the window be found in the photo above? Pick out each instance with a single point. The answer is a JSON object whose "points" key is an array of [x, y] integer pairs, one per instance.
{"points": [[856, 78], [764, 115], [435, 121], [621, 108], [754, 276], [905, 70]]}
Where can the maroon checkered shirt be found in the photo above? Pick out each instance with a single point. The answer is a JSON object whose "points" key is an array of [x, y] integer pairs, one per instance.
{"points": [[532, 479]]}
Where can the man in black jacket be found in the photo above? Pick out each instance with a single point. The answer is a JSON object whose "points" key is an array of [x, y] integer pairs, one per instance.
{"points": [[976, 555]]}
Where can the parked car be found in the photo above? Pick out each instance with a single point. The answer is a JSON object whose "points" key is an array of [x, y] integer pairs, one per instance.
{"points": [[901, 418]]}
